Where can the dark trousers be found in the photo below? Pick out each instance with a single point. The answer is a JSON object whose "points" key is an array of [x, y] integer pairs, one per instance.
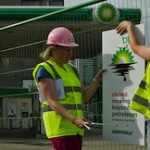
{"points": [[73, 142]]}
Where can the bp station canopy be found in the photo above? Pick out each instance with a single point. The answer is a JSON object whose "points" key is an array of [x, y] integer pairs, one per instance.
{"points": [[83, 22]]}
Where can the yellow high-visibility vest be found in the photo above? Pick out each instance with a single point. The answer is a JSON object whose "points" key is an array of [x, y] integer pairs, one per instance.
{"points": [[141, 99], [55, 125]]}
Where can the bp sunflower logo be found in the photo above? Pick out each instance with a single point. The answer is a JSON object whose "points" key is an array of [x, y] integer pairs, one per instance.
{"points": [[122, 61], [106, 13]]}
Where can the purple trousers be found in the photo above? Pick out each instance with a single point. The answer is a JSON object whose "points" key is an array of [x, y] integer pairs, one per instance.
{"points": [[73, 142]]}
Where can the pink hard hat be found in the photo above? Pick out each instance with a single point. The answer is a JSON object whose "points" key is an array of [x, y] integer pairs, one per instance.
{"points": [[61, 36]]}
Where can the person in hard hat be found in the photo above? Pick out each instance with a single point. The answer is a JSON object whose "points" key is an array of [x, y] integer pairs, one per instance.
{"points": [[61, 92], [141, 100]]}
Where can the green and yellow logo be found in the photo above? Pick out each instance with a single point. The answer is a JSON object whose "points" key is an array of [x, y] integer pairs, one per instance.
{"points": [[122, 56], [122, 61], [106, 13]]}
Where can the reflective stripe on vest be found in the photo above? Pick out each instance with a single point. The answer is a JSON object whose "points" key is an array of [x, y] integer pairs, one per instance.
{"points": [[67, 106], [142, 85], [141, 99], [72, 89], [51, 66]]}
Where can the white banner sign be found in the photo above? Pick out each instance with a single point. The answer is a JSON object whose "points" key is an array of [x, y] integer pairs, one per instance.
{"points": [[124, 73]]}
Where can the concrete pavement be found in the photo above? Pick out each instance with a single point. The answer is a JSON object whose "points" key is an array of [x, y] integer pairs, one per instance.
{"points": [[91, 141]]}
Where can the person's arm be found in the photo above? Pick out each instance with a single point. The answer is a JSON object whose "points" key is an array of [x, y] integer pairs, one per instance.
{"points": [[89, 91], [47, 87], [141, 50]]}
